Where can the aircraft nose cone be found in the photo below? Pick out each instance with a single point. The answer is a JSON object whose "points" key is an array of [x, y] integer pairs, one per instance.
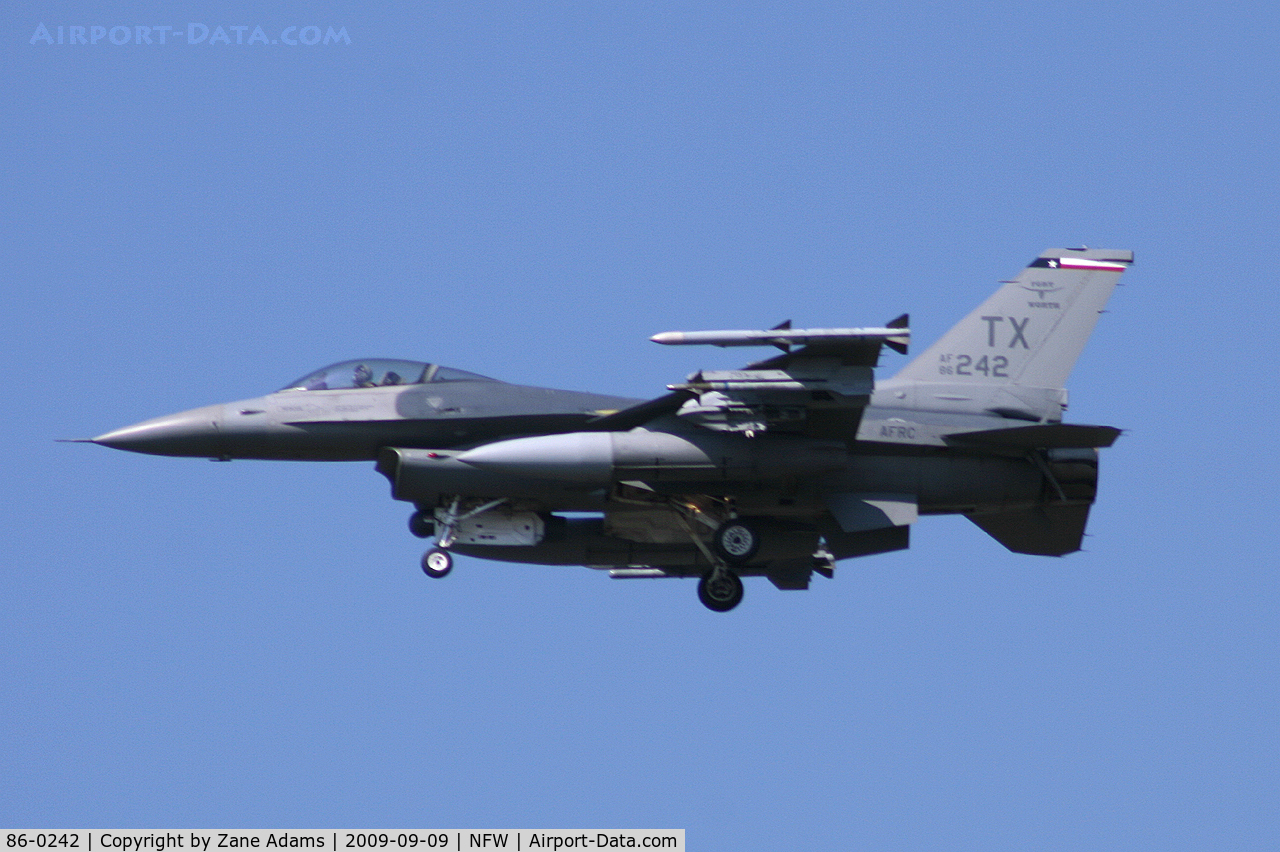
{"points": [[189, 433]]}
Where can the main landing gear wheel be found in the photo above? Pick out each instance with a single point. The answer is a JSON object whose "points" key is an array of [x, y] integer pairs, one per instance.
{"points": [[422, 525], [720, 590], [736, 541], [437, 562]]}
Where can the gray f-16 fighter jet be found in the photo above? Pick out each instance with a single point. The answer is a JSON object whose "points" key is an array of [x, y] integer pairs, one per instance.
{"points": [[779, 469]]}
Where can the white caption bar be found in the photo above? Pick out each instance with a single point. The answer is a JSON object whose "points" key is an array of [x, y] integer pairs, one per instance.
{"points": [[338, 840]]}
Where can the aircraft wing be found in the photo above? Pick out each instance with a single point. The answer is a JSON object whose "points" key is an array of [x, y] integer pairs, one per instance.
{"points": [[1039, 436], [818, 386], [638, 415]]}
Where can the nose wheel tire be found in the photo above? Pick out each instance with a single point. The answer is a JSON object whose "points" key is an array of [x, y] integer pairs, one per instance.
{"points": [[437, 562], [736, 541], [720, 590]]}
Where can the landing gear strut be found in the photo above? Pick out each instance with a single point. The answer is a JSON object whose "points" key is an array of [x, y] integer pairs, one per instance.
{"points": [[437, 562], [714, 528], [720, 589]]}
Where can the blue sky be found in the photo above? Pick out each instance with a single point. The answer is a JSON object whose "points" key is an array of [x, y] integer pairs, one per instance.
{"points": [[530, 191]]}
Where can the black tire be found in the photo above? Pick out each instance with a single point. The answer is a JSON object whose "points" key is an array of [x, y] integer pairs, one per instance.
{"points": [[720, 591], [422, 525], [736, 541], [437, 562]]}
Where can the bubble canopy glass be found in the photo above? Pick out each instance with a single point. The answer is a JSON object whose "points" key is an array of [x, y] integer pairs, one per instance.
{"points": [[379, 372]]}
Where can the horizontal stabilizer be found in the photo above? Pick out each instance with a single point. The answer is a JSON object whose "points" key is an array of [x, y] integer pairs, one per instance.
{"points": [[1048, 530], [791, 574], [1041, 436], [843, 545], [862, 512]]}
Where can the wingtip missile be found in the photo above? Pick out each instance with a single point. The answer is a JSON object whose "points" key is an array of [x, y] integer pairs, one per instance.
{"points": [[894, 335]]}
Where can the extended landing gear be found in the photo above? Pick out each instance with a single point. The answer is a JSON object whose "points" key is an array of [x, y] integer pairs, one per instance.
{"points": [[437, 562], [736, 541], [443, 524], [720, 590]]}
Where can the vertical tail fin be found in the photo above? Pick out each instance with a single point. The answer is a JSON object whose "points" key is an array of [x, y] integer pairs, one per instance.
{"points": [[1013, 354]]}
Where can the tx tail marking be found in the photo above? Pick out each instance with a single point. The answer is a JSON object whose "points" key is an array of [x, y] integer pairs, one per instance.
{"points": [[1019, 329], [965, 365]]}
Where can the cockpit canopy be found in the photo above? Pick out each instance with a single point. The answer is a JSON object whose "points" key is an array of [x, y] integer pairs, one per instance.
{"points": [[380, 372]]}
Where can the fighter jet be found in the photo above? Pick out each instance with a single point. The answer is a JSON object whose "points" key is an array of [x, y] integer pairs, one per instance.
{"points": [[780, 469]]}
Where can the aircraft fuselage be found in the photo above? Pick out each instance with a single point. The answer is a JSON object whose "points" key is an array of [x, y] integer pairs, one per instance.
{"points": [[354, 424]]}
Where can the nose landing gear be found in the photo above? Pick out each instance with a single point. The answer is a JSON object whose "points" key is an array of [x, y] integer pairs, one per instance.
{"points": [[443, 524], [437, 562]]}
